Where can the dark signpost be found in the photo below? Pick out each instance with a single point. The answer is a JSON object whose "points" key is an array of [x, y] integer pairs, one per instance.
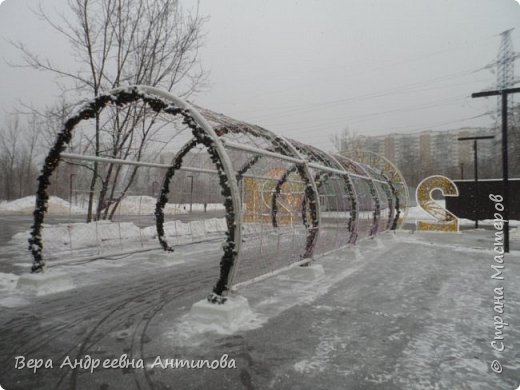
{"points": [[475, 162], [505, 168]]}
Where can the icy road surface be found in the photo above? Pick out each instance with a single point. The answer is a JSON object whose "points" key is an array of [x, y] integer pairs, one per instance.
{"points": [[414, 312]]}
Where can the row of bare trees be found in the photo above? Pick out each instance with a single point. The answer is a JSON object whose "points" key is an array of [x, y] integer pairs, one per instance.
{"points": [[117, 43], [18, 152]]}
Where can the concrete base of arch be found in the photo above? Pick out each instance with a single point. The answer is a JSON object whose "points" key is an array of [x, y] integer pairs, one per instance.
{"points": [[227, 315], [167, 258], [378, 242], [353, 252], [307, 272]]}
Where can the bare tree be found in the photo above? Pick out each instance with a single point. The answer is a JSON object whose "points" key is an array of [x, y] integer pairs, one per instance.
{"points": [[117, 43], [17, 153], [9, 145], [347, 141]]}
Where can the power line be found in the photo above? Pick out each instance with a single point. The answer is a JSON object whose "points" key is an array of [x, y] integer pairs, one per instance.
{"points": [[479, 42], [406, 88], [348, 119]]}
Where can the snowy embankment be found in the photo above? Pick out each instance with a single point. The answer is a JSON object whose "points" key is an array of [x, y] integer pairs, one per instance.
{"points": [[77, 240], [25, 206], [130, 205], [106, 237]]}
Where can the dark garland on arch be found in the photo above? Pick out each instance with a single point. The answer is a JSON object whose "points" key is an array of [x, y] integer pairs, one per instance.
{"points": [[309, 197], [276, 192], [389, 191], [230, 251], [397, 206], [348, 187], [242, 171], [353, 220], [163, 196], [89, 111], [313, 229], [349, 190], [377, 209]]}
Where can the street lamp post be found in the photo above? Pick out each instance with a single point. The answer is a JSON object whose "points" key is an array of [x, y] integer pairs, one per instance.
{"points": [[191, 193], [155, 185], [475, 164], [505, 168], [72, 175]]}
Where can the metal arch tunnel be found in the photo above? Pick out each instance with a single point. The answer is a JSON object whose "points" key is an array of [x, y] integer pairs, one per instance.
{"points": [[278, 193]]}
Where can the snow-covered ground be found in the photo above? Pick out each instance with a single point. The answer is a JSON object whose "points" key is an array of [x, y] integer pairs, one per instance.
{"points": [[73, 241], [415, 312], [410, 310]]}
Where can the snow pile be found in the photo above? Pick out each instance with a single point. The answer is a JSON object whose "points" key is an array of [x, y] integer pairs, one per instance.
{"points": [[179, 232], [76, 236], [191, 327], [145, 205], [103, 236], [215, 225], [25, 206], [417, 213], [130, 205]]}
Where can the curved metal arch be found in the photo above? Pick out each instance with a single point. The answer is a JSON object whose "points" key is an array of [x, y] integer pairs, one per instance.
{"points": [[377, 209], [326, 158], [373, 194], [282, 146], [311, 193], [390, 196], [377, 177], [158, 100], [390, 193], [352, 194], [349, 190], [232, 203], [247, 166], [330, 161], [274, 207], [175, 165], [392, 170], [162, 199], [392, 224]]}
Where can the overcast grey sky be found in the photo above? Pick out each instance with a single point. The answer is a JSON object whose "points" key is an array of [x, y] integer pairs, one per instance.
{"points": [[308, 68]]}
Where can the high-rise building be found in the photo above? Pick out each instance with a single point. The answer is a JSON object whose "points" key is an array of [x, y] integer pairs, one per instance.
{"points": [[431, 152]]}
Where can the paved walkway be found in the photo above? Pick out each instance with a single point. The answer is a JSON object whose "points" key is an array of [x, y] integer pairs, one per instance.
{"points": [[415, 312]]}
